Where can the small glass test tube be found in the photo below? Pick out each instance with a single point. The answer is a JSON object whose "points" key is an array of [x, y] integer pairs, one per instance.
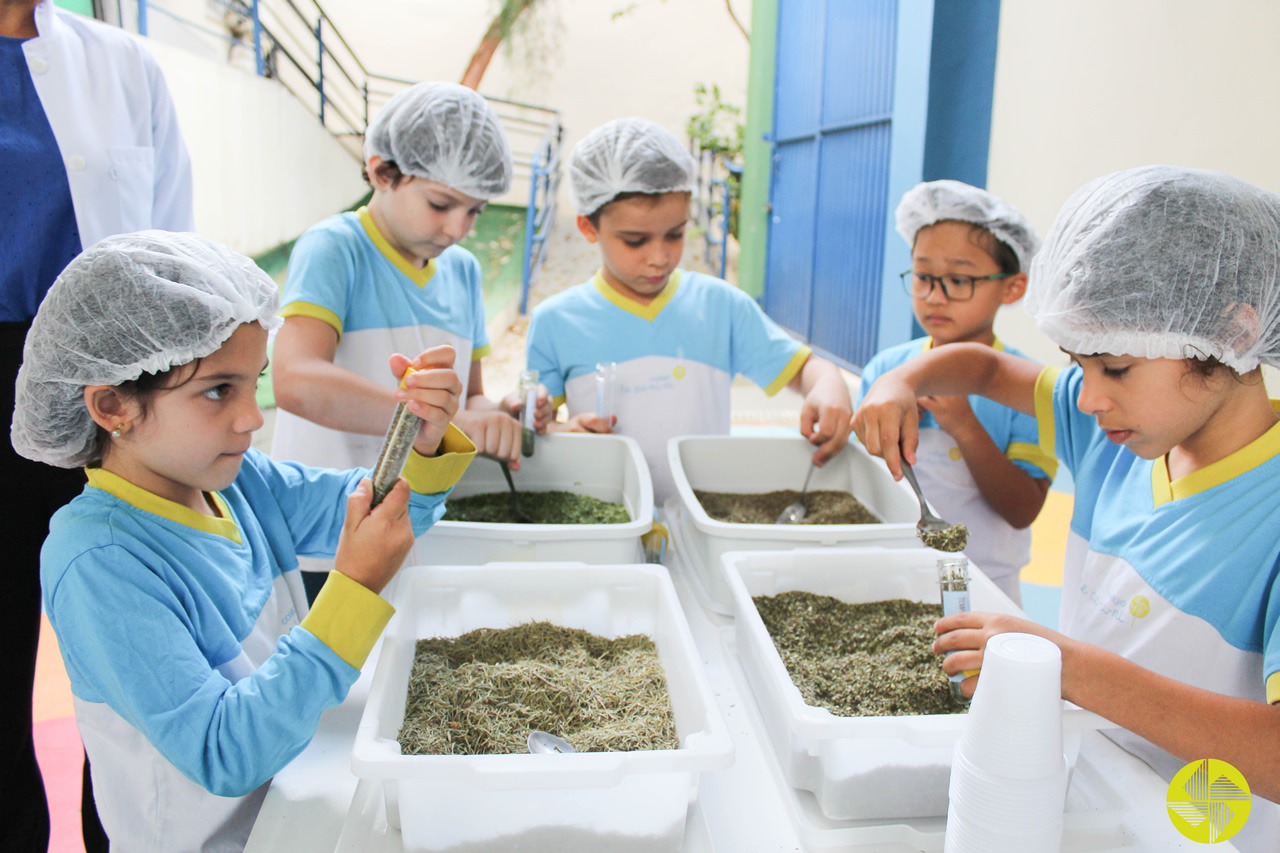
{"points": [[528, 391], [953, 579], [396, 447], [606, 387]]}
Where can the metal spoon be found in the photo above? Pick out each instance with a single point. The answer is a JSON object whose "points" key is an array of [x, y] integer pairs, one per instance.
{"points": [[515, 500], [929, 523], [540, 742], [797, 511]]}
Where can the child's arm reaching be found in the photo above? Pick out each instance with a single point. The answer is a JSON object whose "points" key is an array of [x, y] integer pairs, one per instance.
{"points": [[827, 409], [1189, 722], [309, 385], [887, 422], [1009, 490]]}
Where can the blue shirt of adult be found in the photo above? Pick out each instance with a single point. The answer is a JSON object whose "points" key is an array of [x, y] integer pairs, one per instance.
{"points": [[38, 233]]}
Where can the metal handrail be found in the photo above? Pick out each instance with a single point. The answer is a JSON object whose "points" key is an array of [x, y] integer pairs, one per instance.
{"points": [[713, 203], [344, 101]]}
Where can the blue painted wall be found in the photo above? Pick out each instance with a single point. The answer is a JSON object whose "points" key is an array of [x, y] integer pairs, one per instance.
{"points": [[962, 75]]}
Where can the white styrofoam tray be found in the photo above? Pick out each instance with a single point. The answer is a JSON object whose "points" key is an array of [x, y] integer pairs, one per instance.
{"points": [[749, 465], [608, 467], [858, 768], [625, 801]]}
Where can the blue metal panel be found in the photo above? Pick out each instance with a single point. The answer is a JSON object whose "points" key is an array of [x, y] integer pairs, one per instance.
{"points": [[798, 87], [833, 105], [850, 228], [858, 61], [789, 270], [906, 159]]}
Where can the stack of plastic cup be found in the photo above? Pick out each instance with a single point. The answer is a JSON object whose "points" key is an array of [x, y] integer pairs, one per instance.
{"points": [[1008, 774]]}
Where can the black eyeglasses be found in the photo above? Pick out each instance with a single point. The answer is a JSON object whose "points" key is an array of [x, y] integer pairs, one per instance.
{"points": [[957, 288]]}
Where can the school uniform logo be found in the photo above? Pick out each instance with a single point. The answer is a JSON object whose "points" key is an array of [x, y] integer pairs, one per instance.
{"points": [[1208, 801]]}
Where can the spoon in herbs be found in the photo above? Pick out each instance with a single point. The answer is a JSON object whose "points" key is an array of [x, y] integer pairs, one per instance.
{"points": [[796, 512], [515, 499], [933, 531], [541, 742]]}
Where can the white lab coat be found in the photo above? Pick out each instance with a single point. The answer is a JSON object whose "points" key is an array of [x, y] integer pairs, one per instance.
{"points": [[111, 113]]}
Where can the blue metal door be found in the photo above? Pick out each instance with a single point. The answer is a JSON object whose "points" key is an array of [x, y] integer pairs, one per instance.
{"points": [[835, 170]]}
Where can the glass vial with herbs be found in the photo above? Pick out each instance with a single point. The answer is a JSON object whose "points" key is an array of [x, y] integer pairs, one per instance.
{"points": [[528, 391], [953, 578], [606, 384], [402, 432]]}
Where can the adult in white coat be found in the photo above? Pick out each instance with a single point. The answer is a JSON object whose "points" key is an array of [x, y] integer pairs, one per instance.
{"points": [[89, 147]]}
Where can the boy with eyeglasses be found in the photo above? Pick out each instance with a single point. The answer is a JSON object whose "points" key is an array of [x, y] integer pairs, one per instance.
{"points": [[979, 463]]}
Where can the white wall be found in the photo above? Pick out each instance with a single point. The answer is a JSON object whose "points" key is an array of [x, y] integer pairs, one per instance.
{"points": [[1093, 86], [264, 170], [592, 68]]}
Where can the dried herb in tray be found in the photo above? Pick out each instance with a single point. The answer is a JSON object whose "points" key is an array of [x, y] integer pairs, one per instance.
{"points": [[825, 507], [482, 693], [555, 507], [859, 660]]}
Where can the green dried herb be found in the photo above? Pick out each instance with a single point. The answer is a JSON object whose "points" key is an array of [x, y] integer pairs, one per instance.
{"points": [[859, 660], [954, 538], [824, 507], [542, 507], [482, 693]]}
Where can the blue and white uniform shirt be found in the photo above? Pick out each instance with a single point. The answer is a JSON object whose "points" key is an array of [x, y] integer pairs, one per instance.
{"points": [[676, 357], [1181, 577], [197, 670], [995, 546], [344, 272]]}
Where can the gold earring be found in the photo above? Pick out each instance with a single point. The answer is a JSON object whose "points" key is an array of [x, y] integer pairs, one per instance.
{"points": [[118, 431]]}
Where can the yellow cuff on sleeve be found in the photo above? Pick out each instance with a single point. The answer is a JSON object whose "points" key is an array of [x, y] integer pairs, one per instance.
{"points": [[315, 312], [789, 372], [428, 475], [348, 618], [1273, 688], [480, 352], [1019, 451], [558, 401], [1044, 410]]}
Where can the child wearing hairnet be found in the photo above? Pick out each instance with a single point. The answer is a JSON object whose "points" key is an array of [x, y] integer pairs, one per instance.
{"points": [[172, 579], [1163, 285], [390, 277], [678, 337], [979, 463]]}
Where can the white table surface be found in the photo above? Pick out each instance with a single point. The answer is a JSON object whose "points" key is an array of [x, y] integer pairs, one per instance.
{"points": [[1115, 802]]}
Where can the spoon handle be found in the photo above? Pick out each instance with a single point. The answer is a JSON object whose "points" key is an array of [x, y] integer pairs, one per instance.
{"points": [[915, 486]]}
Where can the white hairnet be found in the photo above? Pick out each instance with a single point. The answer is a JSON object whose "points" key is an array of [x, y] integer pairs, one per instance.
{"points": [[939, 201], [628, 155], [132, 304], [445, 133], [1163, 262]]}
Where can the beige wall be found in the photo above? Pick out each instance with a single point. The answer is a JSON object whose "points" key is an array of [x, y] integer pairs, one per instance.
{"points": [[1093, 86], [263, 168]]}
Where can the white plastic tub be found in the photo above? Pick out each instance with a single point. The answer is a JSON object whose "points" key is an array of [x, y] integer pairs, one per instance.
{"points": [[620, 801], [747, 465], [608, 467], [857, 767]]}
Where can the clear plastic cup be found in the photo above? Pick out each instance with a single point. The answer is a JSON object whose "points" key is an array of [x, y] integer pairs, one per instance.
{"points": [[1014, 726], [606, 389], [965, 836]]}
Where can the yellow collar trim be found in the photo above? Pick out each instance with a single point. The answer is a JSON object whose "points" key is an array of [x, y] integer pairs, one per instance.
{"points": [[997, 344], [1253, 454], [420, 277], [644, 312], [150, 502]]}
